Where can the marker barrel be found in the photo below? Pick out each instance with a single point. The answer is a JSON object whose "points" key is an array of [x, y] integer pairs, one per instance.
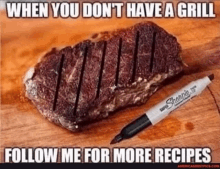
{"points": [[135, 126]]}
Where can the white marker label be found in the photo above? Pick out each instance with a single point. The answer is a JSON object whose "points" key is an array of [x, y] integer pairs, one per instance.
{"points": [[161, 110]]}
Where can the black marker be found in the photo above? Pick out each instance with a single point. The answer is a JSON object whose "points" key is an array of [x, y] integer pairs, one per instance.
{"points": [[161, 110]]}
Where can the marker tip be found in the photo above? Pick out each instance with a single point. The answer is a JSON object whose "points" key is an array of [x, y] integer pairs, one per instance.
{"points": [[211, 77], [117, 139]]}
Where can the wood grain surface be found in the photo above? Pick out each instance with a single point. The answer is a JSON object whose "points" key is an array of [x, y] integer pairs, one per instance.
{"points": [[195, 124]]}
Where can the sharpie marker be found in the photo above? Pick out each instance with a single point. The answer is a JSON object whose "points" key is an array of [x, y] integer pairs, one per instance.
{"points": [[161, 110]]}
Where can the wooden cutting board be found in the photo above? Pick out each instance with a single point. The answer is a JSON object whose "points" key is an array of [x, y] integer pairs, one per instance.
{"points": [[196, 124]]}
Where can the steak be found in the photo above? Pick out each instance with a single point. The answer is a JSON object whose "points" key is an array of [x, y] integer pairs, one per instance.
{"points": [[110, 71]]}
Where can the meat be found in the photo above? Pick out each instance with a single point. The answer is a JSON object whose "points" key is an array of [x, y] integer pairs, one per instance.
{"points": [[78, 85]]}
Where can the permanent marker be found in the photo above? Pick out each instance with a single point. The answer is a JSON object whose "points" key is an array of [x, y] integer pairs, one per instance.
{"points": [[161, 110]]}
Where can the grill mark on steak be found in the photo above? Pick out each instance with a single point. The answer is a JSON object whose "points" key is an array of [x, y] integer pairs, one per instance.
{"points": [[152, 52], [127, 60], [135, 56], [109, 70], [90, 78], [118, 62], [161, 53], [72, 66], [164, 68], [144, 53], [101, 69], [80, 80], [47, 69], [58, 81]]}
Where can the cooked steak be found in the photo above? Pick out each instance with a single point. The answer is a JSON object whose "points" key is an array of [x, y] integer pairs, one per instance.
{"points": [[77, 85]]}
